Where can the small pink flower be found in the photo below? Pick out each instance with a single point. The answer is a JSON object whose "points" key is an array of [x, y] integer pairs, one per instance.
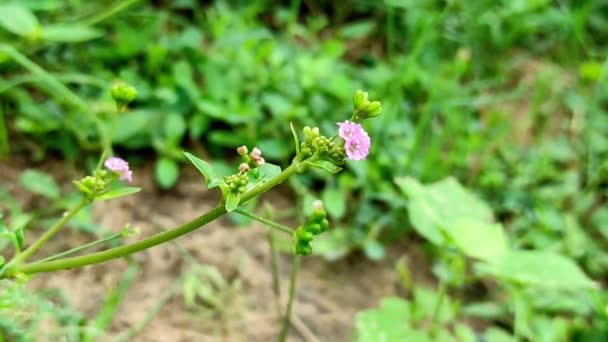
{"points": [[356, 140], [260, 161], [119, 167], [255, 153], [244, 167], [357, 148], [349, 130], [317, 205], [242, 150]]}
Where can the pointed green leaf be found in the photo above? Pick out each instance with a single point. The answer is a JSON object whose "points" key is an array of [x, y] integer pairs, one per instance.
{"points": [[268, 171], [232, 201], [40, 183], [541, 269], [166, 172], [296, 139], [325, 165], [205, 168], [116, 193], [69, 33], [467, 233], [18, 19]]}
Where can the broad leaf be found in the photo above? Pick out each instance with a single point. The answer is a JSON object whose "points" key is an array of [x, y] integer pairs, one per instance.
{"points": [[334, 202], [40, 183], [116, 193], [390, 322], [69, 33], [541, 269], [166, 172], [268, 171], [18, 19], [433, 208], [478, 239]]}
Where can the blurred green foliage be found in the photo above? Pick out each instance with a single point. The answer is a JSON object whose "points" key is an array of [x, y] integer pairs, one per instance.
{"points": [[507, 96]]}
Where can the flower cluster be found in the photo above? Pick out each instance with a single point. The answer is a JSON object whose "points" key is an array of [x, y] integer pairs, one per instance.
{"points": [[253, 159], [120, 167], [356, 140]]}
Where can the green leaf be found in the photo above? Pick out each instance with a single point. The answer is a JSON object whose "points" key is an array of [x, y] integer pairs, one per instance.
{"points": [[296, 139], [432, 208], [478, 239], [166, 172], [69, 33], [18, 19], [334, 202], [269, 171], [40, 183], [131, 125], [205, 168], [325, 165], [19, 237], [232, 201], [541, 269], [374, 250], [116, 193], [390, 322], [175, 127]]}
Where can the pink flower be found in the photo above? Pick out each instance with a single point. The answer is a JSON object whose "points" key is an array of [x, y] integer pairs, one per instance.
{"points": [[356, 140], [357, 148], [244, 167], [349, 130], [119, 167]]}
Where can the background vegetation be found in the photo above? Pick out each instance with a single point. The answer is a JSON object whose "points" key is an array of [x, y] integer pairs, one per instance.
{"points": [[508, 98]]}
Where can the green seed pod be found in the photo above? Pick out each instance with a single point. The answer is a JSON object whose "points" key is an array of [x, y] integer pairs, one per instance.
{"points": [[302, 248], [314, 228], [304, 235]]}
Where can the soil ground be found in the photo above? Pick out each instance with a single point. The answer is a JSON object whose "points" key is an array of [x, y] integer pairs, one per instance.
{"points": [[329, 294]]}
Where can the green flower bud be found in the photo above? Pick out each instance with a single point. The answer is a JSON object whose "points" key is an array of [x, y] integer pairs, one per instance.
{"points": [[123, 94], [359, 99]]}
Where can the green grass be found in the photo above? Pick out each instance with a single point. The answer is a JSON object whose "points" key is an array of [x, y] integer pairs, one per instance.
{"points": [[509, 97]]}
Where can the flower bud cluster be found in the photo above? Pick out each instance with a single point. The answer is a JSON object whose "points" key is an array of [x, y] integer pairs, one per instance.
{"points": [[237, 183], [91, 185], [363, 107], [317, 223], [251, 160], [123, 94], [316, 144]]}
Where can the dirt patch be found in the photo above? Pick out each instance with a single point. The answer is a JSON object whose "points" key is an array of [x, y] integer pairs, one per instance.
{"points": [[328, 295]]}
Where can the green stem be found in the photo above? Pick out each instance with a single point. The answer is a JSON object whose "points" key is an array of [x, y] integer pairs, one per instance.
{"points": [[267, 222], [118, 252], [122, 5], [274, 266], [81, 248], [49, 233], [443, 288], [292, 294]]}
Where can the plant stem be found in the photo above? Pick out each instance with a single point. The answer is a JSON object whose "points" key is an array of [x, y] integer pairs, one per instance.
{"points": [[274, 265], [118, 252], [292, 294], [267, 222], [50, 233], [443, 288], [82, 248]]}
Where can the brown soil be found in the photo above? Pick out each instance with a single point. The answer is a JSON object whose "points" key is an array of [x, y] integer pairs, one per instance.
{"points": [[329, 294]]}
